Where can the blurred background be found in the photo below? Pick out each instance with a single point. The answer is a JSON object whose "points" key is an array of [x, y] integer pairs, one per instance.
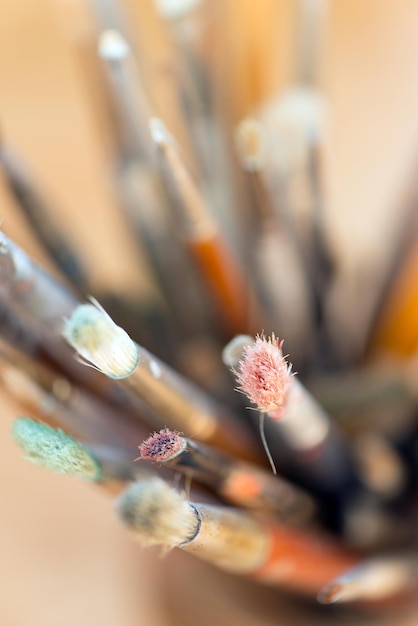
{"points": [[64, 557]]}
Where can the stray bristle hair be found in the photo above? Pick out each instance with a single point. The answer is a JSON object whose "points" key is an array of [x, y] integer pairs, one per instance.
{"points": [[157, 514], [54, 450], [161, 446], [100, 342], [264, 375]]}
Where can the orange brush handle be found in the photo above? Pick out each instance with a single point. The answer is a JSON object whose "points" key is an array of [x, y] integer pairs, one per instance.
{"points": [[303, 562], [231, 295], [397, 329]]}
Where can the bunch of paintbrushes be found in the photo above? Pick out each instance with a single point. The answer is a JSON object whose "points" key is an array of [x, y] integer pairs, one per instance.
{"points": [[306, 479]]}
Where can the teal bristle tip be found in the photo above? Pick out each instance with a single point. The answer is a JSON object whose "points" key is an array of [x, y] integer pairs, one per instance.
{"points": [[54, 450]]}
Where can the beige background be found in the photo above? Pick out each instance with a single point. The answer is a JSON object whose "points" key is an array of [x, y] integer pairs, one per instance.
{"points": [[63, 557]]}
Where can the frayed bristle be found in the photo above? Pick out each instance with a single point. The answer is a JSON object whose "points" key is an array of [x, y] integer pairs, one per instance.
{"points": [[264, 375], [161, 446], [54, 450], [157, 513]]}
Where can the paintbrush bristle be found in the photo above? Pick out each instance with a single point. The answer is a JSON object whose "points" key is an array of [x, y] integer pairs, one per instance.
{"points": [[264, 375], [162, 445], [54, 450], [157, 514], [100, 342]]}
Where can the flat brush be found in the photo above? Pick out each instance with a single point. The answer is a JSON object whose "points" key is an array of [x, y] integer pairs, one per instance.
{"points": [[237, 482]]}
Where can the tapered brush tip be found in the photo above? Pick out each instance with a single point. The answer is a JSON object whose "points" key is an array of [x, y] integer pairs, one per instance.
{"points": [[157, 514], [161, 446], [54, 450], [100, 343]]}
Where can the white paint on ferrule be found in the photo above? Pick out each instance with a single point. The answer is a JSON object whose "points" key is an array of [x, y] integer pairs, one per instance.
{"points": [[113, 46], [158, 131], [22, 265], [4, 244], [155, 369], [100, 342], [304, 423]]}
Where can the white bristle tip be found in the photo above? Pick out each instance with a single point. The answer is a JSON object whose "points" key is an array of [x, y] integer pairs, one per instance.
{"points": [[113, 46]]}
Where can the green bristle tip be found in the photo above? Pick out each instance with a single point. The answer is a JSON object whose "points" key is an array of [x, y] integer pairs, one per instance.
{"points": [[54, 450]]}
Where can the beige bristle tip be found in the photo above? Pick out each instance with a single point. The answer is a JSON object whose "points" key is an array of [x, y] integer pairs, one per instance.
{"points": [[100, 342], [113, 46], [157, 514], [250, 141], [158, 131]]}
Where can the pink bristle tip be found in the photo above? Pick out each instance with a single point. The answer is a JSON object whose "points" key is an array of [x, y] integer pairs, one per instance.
{"points": [[264, 375], [160, 446]]}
